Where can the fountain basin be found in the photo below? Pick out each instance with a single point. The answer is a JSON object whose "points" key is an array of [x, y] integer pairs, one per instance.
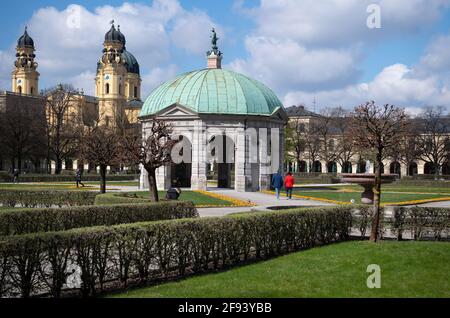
{"points": [[366, 180]]}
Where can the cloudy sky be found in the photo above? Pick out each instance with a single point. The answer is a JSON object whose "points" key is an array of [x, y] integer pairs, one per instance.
{"points": [[302, 49]]}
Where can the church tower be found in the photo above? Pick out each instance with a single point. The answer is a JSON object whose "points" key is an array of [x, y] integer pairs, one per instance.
{"points": [[25, 77], [111, 79]]}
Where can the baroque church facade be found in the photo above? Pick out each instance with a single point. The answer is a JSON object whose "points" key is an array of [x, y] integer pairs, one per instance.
{"points": [[117, 83]]}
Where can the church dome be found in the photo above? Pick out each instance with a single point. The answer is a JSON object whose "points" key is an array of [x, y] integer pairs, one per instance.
{"points": [[131, 63], [25, 40], [121, 36], [114, 35], [214, 91]]}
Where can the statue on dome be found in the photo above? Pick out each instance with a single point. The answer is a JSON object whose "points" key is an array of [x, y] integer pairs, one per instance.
{"points": [[214, 39]]}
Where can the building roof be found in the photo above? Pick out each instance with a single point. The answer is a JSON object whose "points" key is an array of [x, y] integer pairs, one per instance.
{"points": [[114, 35], [25, 40], [300, 111], [135, 103], [131, 63], [214, 91]]}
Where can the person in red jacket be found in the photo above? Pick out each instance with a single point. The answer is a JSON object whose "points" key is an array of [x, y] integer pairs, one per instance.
{"points": [[289, 185]]}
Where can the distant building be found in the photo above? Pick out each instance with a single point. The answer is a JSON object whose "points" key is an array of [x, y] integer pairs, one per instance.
{"points": [[117, 97], [303, 119]]}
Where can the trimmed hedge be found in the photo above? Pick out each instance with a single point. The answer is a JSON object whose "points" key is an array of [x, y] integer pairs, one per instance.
{"points": [[422, 223], [46, 220], [118, 198], [418, 223], [26, 178], [45, 198], [108, 258], [423, 183]]}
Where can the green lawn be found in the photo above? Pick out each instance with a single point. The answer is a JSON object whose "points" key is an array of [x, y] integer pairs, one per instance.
{"points": [[385, 197], [408, 269], [197, 198], [397, 188], [67, 185]]}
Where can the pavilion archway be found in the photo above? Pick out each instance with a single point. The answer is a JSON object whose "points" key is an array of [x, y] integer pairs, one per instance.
{"points": [[347, 167], [429, 168], [332, 167], [413, 169], [317, 167], [221, 162], [395, 168], [181, 173]]}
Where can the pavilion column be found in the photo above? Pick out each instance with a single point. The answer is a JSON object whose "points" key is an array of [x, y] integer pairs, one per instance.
{"points": [[264, 162], [199, 180], [143, 179], [339, 167], [421, 167], [243, 169], [282, 147], [163, 178], [354, 167], [403, 170]]}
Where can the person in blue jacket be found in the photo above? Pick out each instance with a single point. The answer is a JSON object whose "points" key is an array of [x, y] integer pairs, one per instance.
{"points": [[277, 183]]}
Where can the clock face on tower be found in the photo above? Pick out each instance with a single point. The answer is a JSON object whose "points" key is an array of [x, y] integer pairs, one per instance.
{"points": [[19, 81], [107, 77]]}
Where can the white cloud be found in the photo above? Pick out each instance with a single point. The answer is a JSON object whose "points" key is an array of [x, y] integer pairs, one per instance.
{"points": [[156, 77], [6, 62], [285, 64], [394, 85], [437, 56], [332, 22], [310, 49], [192, 31]]}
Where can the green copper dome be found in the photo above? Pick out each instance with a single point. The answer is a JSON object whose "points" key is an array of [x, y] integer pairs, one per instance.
{"points": [[214, 91]]}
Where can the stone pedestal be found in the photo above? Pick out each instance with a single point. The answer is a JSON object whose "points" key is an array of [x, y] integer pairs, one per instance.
{"points": [[367, 196]]}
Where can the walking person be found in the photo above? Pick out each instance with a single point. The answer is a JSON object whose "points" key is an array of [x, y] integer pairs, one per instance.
{"points": [[289, 185], [277, 183], [78, 177], [16, 174]]}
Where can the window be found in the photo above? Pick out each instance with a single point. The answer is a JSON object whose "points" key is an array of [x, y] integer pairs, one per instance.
{"points": [[107, 88], [135, 92], [19, 89], [120, 89], [32, 90]]}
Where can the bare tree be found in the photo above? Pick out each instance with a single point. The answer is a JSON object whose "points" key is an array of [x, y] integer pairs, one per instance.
{"points": [[345, 144], [295, 142], [101, 146], [408, 149], [326, 128], [63, 126], [152, 152], [434, 138], [313, 144], [22, 131], [377, 129]]}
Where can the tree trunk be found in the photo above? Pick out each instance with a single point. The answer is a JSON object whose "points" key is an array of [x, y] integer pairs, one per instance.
{"points": [[58, 166], [437, 171], [103, 179], [19, 162], [152, 185], [377, 200]]}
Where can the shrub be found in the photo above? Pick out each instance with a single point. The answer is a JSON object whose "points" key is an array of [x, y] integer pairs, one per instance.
{"points": [[46, 220], [418, 222], [45, 198], [25, 178], [119, 198], [142, 252], [421, 222]]}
